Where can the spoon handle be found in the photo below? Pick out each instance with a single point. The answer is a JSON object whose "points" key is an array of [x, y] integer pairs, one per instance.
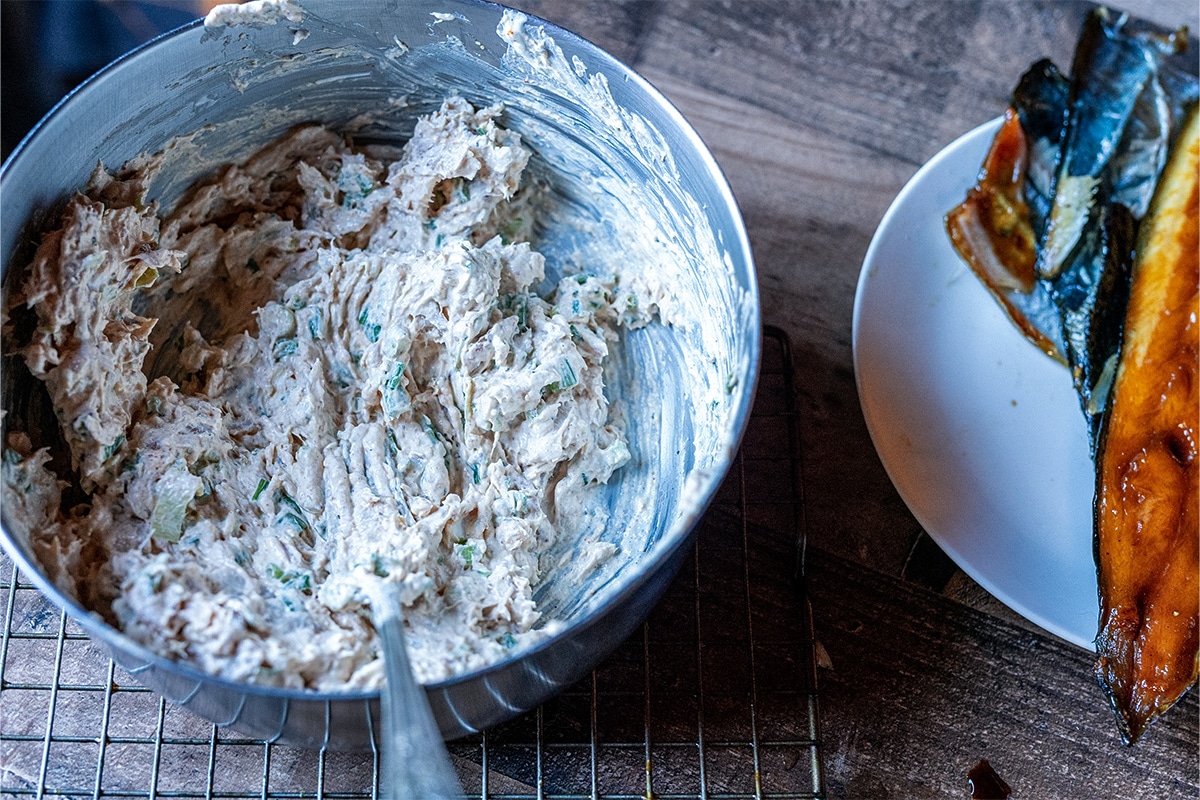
{"points": [[415, 761]]}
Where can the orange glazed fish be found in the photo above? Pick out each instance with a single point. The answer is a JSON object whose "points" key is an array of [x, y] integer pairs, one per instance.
{"points": [[1148, 493]]}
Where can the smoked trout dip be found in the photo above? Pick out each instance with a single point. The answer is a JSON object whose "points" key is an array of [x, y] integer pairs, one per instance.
{"points": [[325, 366]]}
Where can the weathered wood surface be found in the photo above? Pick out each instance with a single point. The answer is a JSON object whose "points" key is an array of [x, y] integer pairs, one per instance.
{"points": [[818, 113], [921, 688]]}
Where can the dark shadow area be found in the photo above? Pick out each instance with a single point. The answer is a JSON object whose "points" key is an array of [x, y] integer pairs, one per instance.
{"points": [[48, 47]]}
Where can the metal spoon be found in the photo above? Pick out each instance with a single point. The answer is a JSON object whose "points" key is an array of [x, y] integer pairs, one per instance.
{"points": [[415, 761]]}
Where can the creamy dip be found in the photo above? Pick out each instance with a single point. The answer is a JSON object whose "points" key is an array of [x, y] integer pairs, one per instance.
{"points": [[326, 367]]}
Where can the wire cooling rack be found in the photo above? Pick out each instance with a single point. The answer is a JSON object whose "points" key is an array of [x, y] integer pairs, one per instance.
{"points": [[714, 697]]}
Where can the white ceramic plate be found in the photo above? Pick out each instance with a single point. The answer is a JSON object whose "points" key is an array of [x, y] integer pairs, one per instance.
{"points": [[980, 432]]}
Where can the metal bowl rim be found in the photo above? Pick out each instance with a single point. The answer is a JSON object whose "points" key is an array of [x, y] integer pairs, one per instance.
{"points": [[680, 533]]}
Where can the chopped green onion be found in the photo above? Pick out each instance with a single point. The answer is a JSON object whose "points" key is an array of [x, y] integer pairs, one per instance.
{"points": [[395, 398], [283, 348], [567, 380], [301, 581], [295, 514], [394, 381], [298, 522], [113, 448], [568, 375], [430, 429], [371, 331], [174, 492]]}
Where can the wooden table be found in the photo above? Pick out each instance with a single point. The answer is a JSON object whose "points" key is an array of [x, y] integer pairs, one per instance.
{"points": [[819, 112]]}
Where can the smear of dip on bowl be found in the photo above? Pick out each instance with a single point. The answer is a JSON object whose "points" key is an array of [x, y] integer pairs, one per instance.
{"points": [[326, 365], [619, 195]]}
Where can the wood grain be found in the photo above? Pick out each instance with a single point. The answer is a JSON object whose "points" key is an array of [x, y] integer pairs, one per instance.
{"points": [[922, 688], [818, 113]]}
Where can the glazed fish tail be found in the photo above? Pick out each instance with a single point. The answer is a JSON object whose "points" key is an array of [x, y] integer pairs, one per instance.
{"points": [[1148, 482]]}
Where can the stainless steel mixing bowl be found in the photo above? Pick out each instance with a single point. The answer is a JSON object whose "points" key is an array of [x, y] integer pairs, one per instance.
{"points": [[627, 174]]}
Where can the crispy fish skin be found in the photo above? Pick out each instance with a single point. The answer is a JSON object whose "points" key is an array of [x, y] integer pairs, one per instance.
{"points": [[1148, 477]]}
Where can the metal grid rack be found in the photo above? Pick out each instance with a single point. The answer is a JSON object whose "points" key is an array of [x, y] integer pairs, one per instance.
{"points": [[715, 697]]}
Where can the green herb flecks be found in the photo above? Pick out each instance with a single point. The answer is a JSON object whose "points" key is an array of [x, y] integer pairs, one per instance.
{"points": [[290, 513], [354, 186], [395, 397], [466, 552], [431, 430], [300, 581], [568, 375], [174, 492], [284, 348], [370, 329], [567, 379], [111, 449], [520, 309]]}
